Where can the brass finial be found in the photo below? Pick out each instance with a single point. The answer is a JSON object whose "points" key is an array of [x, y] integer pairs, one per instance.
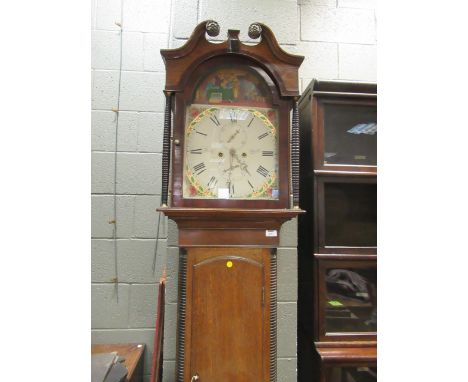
{"points": [[255, 30], [212, 28]]}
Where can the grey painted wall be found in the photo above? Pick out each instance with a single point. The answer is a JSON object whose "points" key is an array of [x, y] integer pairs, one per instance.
{"points": [[338, 39]]}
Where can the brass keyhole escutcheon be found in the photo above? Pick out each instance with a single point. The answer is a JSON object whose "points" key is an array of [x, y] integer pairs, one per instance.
{"points": [[196, 377]]}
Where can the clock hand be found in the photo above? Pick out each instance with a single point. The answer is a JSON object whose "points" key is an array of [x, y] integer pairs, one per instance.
{"points": [[231, 168], [234, 154], [242, 164], [233, 136]]}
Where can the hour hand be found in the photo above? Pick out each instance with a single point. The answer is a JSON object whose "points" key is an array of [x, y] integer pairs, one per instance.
{"points": [[244, 168], [231, 168], [242, 164]]}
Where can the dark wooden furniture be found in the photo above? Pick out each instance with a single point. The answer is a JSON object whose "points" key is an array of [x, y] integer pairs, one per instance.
{"points": [[338, 234], [233, 182], [132, 353], [348, 364]]}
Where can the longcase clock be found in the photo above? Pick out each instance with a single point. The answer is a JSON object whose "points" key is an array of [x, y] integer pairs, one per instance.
{"points": [[232, 182]]}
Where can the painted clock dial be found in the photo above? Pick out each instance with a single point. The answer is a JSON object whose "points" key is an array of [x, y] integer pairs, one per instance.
{"points": [[230, 153]]}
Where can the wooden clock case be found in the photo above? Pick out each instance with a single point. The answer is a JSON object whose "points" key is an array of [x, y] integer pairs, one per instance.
{"points": [[227, 261]]}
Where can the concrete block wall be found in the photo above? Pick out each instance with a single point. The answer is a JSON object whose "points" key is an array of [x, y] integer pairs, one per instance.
{"points": [[338, 39]]}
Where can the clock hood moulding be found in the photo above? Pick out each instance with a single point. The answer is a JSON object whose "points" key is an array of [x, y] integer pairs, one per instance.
{"points": [[281, 65]]}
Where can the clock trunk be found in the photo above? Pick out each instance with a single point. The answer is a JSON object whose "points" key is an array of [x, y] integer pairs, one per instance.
{"points": [[228, 314]]}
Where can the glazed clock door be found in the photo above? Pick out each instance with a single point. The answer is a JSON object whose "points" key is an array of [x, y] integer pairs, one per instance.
{"points": [[233, 136], [228, 328]]}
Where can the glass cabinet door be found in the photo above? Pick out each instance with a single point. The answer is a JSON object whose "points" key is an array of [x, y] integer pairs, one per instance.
{"points": [[347, 215], [351, 300], [350, 214], [347, 298], [350, 134]]}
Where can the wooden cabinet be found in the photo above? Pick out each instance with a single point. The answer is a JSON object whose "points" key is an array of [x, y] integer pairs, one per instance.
{"points": [[132, 355], [338, 234]]}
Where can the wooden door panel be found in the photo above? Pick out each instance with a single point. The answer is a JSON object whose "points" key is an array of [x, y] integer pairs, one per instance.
{"points": [[229, 319]]}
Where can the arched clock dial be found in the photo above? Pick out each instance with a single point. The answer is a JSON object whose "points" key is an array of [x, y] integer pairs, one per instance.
{"points": [[230, 153]]}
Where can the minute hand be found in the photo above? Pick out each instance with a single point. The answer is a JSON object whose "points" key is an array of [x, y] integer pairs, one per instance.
{"points": [[233, 136]]}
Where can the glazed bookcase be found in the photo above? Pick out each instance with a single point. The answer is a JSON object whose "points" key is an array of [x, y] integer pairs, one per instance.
{"points": [[337, 329]]}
